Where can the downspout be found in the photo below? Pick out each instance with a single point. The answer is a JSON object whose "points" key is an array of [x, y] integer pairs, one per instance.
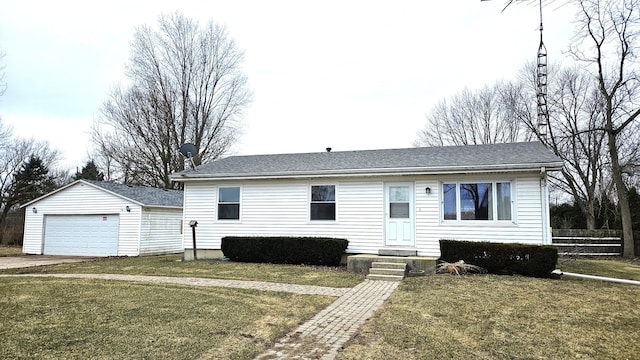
{"points": [[544, 205], [593, 277]]}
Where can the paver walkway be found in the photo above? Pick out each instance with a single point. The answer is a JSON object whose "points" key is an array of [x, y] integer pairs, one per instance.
{"points": [[319, 338], [240, 284], [324, 335]]}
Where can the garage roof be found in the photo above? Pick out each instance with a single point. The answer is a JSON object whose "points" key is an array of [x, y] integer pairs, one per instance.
{"points": [[142, 195]]}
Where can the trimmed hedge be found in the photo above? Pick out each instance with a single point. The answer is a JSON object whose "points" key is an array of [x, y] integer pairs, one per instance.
{"points": [[499, 258], [285, 250]]}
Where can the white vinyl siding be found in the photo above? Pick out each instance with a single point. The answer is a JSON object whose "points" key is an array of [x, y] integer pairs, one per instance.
{"points": [[525, 226], [83, 199], [281, 208], [161, 231]]}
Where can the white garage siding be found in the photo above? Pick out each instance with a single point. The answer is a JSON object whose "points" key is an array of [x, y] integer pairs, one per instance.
{"points": [[81, 235], [82, 199], [281, 208], [161, 231]]}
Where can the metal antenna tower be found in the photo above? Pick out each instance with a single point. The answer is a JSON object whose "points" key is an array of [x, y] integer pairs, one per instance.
{"points": [[541, 93], [541, 74]]}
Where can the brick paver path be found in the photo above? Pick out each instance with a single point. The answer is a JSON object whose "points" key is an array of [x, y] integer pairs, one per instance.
{"points": [[319, 338], [324, 335], [240, 284]]}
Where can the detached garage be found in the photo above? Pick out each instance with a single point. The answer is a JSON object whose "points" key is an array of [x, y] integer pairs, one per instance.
{"points": [[94, 218]]}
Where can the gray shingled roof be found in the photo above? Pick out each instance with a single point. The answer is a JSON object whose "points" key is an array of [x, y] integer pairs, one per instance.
{"points": [[146, 196], [504, 157]]}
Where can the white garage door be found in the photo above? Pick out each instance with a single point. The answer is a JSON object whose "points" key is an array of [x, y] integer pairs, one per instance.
{"points": [[81, 235]]}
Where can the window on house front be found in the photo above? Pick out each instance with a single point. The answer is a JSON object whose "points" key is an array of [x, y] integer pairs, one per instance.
{"points": [[323, 202], [229, 203], [449, 199], [475, 201], [485, 201], [503, 199]]}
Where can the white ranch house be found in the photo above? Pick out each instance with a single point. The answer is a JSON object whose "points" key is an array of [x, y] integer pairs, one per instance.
{"points": [[382, 201], [94, 218]]}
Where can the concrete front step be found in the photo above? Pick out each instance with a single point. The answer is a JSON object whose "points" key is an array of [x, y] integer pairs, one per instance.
{"points": [[397, 252], [382, 271], [387, 271], [361, 263], [385, 277], [388, 265]]}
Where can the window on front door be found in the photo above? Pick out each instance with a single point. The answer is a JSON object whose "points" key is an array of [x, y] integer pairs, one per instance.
{"points": [[399, 202]]}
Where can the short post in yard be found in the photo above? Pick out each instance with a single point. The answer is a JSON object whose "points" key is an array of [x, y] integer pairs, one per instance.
{"points": [[193, 225]]}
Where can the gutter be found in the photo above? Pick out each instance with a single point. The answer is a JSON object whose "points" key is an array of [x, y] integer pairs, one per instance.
{"points": [[368, 172]]}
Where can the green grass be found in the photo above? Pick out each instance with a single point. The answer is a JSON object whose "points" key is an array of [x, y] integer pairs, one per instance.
{"points": [[10, 250], [623, 269], [440, 317], [172, 266], [46, 318], [502, 317]]}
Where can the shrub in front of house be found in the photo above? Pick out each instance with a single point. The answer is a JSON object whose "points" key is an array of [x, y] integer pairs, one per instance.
{"points": [[499, 258], [285, 250]]}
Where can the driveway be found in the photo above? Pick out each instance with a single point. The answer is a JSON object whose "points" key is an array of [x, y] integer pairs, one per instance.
{"points": [[14, 262]]}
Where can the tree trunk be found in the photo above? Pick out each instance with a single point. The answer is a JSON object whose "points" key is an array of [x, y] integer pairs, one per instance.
{"points": [[621, 191], [591, 219]]}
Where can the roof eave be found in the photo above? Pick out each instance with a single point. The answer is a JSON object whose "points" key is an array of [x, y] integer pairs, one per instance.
{"points": [[164, 207], [548, 166]]}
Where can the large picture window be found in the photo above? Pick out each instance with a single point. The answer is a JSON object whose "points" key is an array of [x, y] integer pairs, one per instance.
{"points": [[229, 203], [323, 202], [485, 201]]}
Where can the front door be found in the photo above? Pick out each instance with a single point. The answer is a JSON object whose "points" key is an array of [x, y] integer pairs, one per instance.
{"points": [[399, 214]]}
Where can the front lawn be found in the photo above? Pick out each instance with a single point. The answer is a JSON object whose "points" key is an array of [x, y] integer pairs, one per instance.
{"points": [[11, 250], [502, 317], [48, 318], [623, 269], [172, 266]]}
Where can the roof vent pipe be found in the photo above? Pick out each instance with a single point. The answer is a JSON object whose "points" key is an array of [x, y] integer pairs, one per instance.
{"points": [[328, 149]]}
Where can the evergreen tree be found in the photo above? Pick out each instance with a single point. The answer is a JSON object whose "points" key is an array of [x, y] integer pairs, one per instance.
{"points": [[32, 181], [90, 172]]}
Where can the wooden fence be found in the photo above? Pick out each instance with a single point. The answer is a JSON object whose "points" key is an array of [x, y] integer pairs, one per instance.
{"points": [[574, 242]]}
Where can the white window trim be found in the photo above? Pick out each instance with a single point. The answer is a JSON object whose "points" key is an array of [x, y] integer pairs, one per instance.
{"points": [[239, 219], [309, 191], [494, 222]]}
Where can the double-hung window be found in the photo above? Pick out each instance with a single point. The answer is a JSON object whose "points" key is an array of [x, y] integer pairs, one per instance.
{"points": [[323, 202], [229, 203], [485, 201]]}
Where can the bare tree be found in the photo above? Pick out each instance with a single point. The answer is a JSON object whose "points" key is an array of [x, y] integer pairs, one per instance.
{"points": [[481, 117], [13, 153], [186, 86], [506, 112], [606, 41], [575, 134]]}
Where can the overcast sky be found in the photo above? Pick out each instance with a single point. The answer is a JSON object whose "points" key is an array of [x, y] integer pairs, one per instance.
{"points": [[346, 74]]}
